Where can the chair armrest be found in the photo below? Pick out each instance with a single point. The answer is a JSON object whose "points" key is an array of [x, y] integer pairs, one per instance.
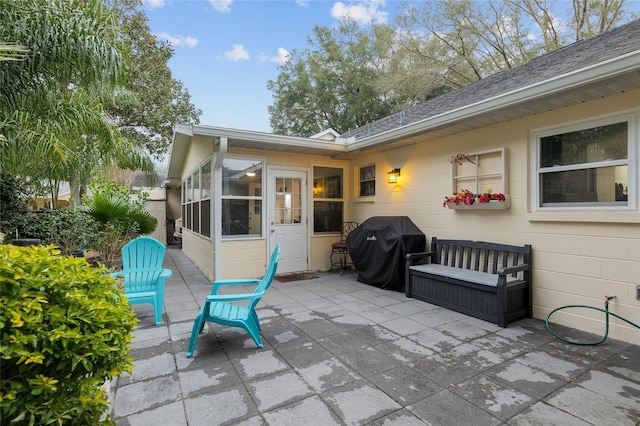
{"points": [[219, 283], [233, 297], [411, 257], [166, 273], [513, 269]]}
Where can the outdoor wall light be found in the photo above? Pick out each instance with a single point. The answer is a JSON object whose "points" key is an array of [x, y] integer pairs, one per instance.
{"points": [[393, 176]]}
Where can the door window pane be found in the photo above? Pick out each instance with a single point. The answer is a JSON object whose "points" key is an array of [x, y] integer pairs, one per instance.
{"points": [[288, 200]]}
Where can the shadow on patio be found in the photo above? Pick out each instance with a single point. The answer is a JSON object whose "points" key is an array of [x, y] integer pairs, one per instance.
{"points": [[339, 352]]}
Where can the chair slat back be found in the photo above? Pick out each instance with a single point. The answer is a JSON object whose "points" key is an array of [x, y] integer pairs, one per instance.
{"points": [[142, 260], [266, 281], [271, 271]]}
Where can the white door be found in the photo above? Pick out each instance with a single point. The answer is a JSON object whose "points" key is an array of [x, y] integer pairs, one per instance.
{"points": [[288, 223]]}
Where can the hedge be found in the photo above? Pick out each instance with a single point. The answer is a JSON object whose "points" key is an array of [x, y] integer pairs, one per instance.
{"points": [[65, 330]]}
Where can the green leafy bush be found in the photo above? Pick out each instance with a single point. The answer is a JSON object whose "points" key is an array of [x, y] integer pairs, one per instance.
{"points": [[65, 329], [67, 229], [120, 218], [12, 208]]}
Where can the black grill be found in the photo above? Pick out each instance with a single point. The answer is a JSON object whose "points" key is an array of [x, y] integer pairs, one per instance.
{"points": [[378, 247]]}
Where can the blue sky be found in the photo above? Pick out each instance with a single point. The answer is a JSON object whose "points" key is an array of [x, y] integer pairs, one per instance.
{"points": [[227, 50]]}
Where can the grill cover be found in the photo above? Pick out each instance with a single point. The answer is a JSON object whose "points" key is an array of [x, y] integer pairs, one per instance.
{"points": [[378, 247]]}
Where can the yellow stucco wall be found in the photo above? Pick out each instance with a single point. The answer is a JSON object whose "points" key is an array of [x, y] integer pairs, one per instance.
{"points": [[578, 257], [573, 262]]}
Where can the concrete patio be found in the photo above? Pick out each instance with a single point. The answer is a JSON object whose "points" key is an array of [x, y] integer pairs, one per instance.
{"points": [[339, 352]]}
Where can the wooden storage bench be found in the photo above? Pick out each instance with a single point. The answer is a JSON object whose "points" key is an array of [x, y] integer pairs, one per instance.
{"points": [[485, 280]]}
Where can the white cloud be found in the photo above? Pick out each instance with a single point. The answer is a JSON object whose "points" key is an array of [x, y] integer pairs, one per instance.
{"points": [[237, 54], [222, 6], [365, 12], [303, 3], [178, 40], [154, 4], [281, 58]]}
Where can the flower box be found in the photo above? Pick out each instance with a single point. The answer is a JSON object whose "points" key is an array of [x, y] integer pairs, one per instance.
{"points": [[491, 205], [467, 200]]}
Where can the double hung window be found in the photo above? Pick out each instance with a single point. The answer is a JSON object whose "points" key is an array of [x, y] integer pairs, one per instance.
{"points": [[242, 197], [328, 201], [589, 166]]}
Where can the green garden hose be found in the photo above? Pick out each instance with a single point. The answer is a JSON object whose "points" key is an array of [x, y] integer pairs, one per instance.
{"points": [[606, 330]]}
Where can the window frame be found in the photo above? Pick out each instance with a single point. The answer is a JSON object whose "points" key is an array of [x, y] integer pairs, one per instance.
{"points": [[315, 199], [260, 198], [192, 202], [632, 162], [366, 180]]}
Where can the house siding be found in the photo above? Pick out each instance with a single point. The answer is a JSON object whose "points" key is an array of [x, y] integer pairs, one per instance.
{"points": [[578, 257], [200, 251], [246, 258], [574, 262]]}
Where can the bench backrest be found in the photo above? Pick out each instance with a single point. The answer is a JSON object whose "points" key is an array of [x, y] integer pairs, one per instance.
{"points": [[480, 255]]}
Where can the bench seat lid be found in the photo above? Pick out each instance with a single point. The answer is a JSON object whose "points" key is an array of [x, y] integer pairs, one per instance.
{"points": [[462, 274]]}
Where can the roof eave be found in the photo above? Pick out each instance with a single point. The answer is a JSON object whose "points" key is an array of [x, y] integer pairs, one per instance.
{"points": [[589, 75]]}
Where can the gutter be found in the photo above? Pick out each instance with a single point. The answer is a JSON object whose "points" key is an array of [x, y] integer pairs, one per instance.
{"points": [[603, 70]]}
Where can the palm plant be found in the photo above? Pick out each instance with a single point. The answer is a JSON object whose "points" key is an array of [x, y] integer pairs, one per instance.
{"points": [[52, 101], [120, 218]]}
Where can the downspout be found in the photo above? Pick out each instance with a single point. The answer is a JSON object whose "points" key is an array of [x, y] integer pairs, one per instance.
{"points": [[217, 207]]}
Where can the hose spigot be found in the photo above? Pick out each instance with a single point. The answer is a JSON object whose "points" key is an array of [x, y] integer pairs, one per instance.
{"points": [[607, 299]]}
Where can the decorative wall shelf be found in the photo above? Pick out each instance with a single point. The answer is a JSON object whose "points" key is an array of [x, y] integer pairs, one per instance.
{"points": [[491, 205]]}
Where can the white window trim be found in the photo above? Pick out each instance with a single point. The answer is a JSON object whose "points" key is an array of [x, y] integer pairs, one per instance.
{"points": [[343, 200], [262, 198], [359, 187], [603, 212], [201, 198]]}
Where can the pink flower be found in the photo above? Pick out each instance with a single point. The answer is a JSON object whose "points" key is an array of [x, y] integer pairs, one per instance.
{"points": [[468, 198]]}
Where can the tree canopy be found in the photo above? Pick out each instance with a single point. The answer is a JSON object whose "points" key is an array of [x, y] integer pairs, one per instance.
{"points": [[157, 101], [83, 85], [332, 83], [351, 76]]}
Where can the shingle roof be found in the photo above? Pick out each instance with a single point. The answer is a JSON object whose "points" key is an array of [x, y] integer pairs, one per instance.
{"points": [[576, 56]]}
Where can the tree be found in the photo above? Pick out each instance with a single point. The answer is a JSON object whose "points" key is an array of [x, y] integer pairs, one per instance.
{"points": [[51, 103], [331, 84], [445, 44], [156, 100]]}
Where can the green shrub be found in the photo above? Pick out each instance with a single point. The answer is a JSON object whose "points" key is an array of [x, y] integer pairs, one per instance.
{"points": [[65, 329], [67, 229], [120, 218], [12, 208]]}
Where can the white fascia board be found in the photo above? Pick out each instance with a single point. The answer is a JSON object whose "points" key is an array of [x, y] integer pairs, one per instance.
{"points": [[182, 134], [611, 68], [267, 138]]}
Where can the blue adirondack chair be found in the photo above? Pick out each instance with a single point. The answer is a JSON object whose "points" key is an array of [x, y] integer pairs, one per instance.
{"points": [[220, 309], [144, 276]]}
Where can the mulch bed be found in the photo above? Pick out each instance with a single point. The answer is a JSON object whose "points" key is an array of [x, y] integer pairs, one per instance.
{"points": [[286, 278]]}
